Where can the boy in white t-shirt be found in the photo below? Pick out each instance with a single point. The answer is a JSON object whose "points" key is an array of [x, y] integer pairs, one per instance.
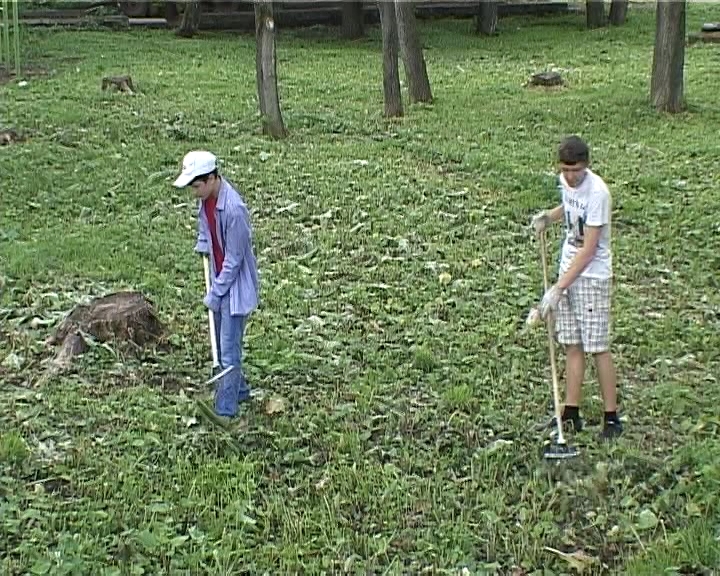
{"points": [[581, 296]]}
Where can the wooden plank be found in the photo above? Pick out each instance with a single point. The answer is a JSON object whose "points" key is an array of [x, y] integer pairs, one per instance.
{"points": [[148, 22], [79, 22], [288, 17], [293, 18]]}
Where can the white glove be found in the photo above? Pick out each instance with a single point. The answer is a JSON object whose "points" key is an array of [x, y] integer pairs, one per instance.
{"points": [[540, 222], [533, 318], [550, 300]]}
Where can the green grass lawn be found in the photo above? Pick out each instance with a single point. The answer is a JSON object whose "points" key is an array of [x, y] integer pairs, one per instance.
{"points": [[397, 270]]}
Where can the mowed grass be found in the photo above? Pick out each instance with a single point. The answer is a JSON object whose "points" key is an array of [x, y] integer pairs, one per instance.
{"points": [[397, 270]]}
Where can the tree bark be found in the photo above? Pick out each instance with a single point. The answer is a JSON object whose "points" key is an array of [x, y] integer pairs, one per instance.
{"points": [[487, 17], [190, 19], [353, 20], [171, 13], [595, 13], [618, 12], [391, 73], [667, 84], [266, 70], [412, 52]]}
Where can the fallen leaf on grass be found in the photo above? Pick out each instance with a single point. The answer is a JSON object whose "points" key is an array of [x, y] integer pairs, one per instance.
{"points": [[578, 560], [191, 421], [275, 405], [646, 520], [498, 444]]}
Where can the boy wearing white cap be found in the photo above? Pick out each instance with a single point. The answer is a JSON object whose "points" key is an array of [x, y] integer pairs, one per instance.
{"points": [[225, 236]]}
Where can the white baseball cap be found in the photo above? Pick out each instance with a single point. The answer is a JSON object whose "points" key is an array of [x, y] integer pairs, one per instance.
{"points": [[195, 163]]}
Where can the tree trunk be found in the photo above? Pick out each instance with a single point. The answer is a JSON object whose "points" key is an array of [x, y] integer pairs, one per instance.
{"points": [[190, 19], [487, 17], [595, 13], [266, 70], [618, 12], [171, 14], [412, 52], [353, 20], [391, 73], [666, 87]]}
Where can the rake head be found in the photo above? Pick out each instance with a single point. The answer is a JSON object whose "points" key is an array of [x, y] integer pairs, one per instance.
{"points": [[219, 375], [559, 451]]}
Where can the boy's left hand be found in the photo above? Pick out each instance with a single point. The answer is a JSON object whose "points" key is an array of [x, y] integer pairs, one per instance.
{"points": [[212, 302], [550, 300]]}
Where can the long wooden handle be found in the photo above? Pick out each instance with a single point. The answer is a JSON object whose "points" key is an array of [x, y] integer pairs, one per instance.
{"points": [[543, 256], [550, 323], [211, 317]]}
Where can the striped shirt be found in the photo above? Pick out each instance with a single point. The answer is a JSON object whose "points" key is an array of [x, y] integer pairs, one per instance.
{"points": [[239, 276]]}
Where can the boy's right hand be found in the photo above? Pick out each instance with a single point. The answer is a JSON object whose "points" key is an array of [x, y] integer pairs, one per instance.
{"points": [[540, 222]]}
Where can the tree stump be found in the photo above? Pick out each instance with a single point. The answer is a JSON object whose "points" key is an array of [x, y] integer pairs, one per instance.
{"points": [[547, 79], [122, 83], [9, 136], [122, 316]]}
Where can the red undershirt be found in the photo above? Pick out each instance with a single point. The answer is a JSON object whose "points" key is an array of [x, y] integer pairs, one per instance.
{"points": [[209, 206]]}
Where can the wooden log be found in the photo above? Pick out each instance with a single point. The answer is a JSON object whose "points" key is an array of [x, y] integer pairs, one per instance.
{"points": [[705, 37], [78, 22]]}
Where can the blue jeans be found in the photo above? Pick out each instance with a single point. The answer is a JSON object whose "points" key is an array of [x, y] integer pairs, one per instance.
{"points": [[232, 389]]}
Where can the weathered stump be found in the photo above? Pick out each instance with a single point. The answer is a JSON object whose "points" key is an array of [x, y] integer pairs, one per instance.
{"points": [[121, 317], [122, 83], [9, 136], [548, 79]]}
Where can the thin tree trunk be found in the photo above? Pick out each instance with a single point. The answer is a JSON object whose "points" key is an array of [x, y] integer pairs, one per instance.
{"points": [[391, 73], [667, 84], [266, 70], [487, 17], [190, 19], [353, 20], [171, 13], [595, 13], [412, 52], [618, 12]]}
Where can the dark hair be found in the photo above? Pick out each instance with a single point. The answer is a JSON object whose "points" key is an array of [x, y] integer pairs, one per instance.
{"points": [[204, 177], [573, 150]]}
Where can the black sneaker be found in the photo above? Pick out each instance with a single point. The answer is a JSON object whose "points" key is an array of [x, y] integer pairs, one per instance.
{"points": [[611, 429]]}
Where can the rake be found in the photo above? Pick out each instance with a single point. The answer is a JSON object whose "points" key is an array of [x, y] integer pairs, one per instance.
{"points": [[559, 450]]}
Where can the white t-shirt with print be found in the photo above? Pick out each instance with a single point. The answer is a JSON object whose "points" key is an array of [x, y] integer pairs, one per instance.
{"points": [[589, 204]]}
